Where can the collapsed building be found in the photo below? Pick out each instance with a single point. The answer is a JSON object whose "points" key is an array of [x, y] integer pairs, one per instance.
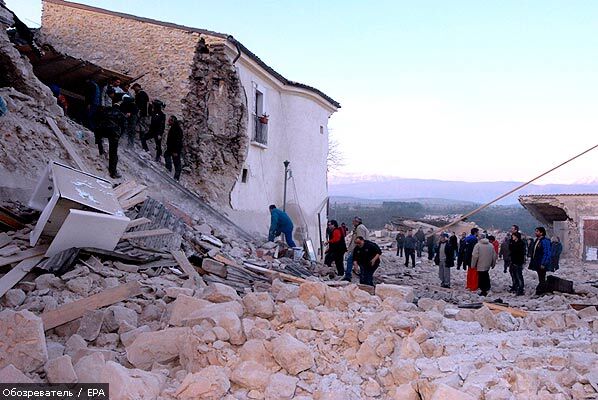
{"points": [[242, 119], [187, 306], [571, 217]]}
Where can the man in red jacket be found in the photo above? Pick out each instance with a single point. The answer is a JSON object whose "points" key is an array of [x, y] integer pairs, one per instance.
{"points": [[336, 248]]}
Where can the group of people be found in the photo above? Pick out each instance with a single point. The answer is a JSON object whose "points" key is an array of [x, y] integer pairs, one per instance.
{"points": [[478, 253], [362, 255], [118, 110]]}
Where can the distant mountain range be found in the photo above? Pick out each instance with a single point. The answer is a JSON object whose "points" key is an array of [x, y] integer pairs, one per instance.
{"points": [[412, 189]]}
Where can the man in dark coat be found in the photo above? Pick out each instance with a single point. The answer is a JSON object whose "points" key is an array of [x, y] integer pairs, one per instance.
{"points": [[111, 125], [517, 259], [367, 256], [400, 243], [157, 126], [420, 236], [174, 147], [540, 258], [410, 246], [461, 251], [445, 259], [431, 243], [130, 110], [470, 242]]}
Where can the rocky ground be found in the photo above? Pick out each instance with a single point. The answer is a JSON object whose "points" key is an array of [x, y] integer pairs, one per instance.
{"points": [[310, 341]]}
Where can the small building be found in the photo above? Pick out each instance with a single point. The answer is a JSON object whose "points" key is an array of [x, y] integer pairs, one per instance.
{"points": [[241, 118], [571, 217]]}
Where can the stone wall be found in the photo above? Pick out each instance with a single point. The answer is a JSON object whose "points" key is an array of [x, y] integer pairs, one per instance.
{"points": [[197, 84], [215, 123], [127, 46]]}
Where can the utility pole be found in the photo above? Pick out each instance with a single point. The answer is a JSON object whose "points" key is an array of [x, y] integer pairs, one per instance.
{"points": [[286, 178]]}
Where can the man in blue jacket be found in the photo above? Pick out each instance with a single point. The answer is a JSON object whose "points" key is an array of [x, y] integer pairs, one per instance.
{"points": [[280, 223], [540, 258]]}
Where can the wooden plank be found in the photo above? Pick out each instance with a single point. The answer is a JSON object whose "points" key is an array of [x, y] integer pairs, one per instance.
{"points": [[66, 144], [142, 234], [275, 274], [36, 251], [137, 222], [513, 311], [579, 307], [15, 275], [124, 187], [71, 311], [131, 193], [186, 266], [133, 201]]}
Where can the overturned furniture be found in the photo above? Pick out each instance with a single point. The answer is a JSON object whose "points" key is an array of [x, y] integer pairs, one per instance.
{"points": [[78, 209]]}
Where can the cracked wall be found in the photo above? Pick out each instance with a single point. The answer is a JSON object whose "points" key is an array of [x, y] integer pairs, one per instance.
{"points": [[215, 121]]}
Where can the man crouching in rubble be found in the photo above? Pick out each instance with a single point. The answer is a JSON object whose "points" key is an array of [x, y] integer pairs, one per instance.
{"points": [[280, 222], [367, 256], [111, 125]]}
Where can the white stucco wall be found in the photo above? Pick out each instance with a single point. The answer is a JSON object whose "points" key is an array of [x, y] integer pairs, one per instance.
{"points": [[294, 135]]}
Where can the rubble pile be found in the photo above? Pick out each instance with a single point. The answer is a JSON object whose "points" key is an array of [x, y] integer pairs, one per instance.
{"points": [[176, 340]]}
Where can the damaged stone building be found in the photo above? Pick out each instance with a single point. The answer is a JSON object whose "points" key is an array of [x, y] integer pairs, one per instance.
{"points": [[571, 217], [241, 118]]}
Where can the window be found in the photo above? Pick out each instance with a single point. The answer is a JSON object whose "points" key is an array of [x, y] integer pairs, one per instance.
{"points": [[244, 176], [260, 120], [321, 130]]}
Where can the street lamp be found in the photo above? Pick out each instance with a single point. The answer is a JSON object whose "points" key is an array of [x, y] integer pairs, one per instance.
{"points": [[286, 178]]}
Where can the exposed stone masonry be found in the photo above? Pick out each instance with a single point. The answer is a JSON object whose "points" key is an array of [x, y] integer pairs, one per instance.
{"points": [[216, 123]]}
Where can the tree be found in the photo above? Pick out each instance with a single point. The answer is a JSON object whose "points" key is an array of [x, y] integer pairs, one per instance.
{"points": [[335, 158]]}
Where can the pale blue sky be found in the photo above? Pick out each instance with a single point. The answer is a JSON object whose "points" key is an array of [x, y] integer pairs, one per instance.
{"points": [[463, 90]]}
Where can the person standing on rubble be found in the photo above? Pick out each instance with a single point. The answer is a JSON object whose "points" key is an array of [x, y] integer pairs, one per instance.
{"points": [[461, 251], [472, 274], [516, 261], [556, 248], [541, 258], [130, 110], [445, 259], [483, 259], [336, 248], [420, 236], [430, 243], [280, 222], [366, 255], [111, 125], [410, 246], [174, 147], [142, 102], [157, 127], [400, 243], [359, 229]]}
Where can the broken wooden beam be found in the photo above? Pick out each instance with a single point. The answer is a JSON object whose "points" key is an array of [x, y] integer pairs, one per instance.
{"points": [[133, 201], [187, 268], [148, 233], [71, 311], [579, 307], [66, 144], [23, 255], [138, 222], [275, 274], [513, 311], [124, 187], [14, 276]]}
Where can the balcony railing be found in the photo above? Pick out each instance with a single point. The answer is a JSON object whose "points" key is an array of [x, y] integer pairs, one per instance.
{"points": [[260, 131]]}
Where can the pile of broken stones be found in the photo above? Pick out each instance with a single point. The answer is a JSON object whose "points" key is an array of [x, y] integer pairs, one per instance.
{"points": [[309, 341]]}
